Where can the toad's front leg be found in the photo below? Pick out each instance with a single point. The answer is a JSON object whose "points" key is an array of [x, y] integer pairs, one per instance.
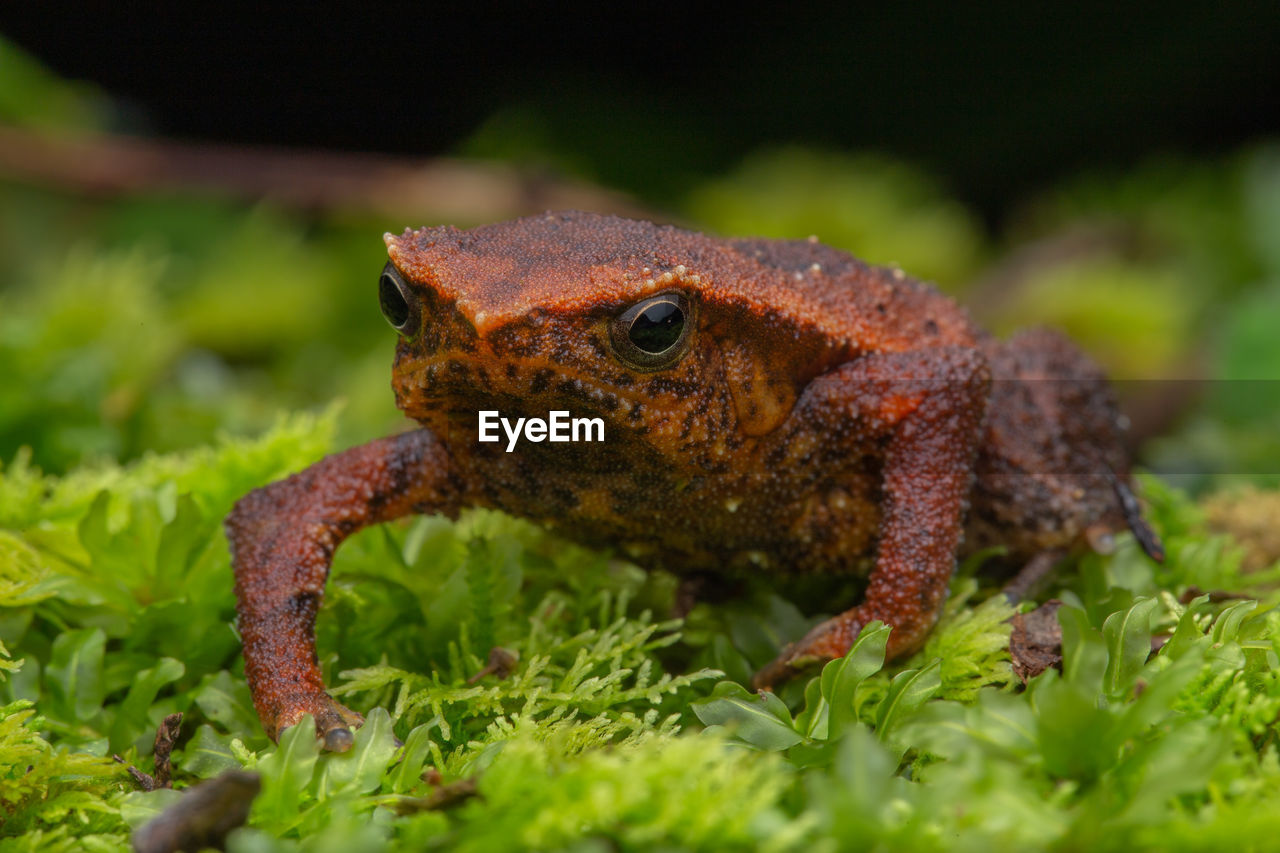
{"points": [[282, 540], [929, 405]]}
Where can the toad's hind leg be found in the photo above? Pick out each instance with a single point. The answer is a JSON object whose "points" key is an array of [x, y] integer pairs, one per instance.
{"points": [[929, 405], [282, 540], [1052, 472]]}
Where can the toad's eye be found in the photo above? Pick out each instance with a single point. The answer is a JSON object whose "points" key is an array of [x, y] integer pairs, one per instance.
{"points": [[652, 334], [397, 301]]}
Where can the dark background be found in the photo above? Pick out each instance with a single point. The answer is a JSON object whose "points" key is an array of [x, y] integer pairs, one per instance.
{"points": [[997, 98]]}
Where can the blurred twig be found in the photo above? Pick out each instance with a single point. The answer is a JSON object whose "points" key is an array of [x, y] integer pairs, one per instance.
{"points": [[202, 817], [412, 191], [1152, 407]]}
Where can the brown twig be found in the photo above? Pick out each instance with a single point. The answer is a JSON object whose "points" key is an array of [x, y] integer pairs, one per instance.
{"points": [[166, 739], [441, 798], [398, 189], [202, 817]]}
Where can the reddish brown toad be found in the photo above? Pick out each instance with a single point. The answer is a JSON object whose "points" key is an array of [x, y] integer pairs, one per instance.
{"points": [[768, 406]]}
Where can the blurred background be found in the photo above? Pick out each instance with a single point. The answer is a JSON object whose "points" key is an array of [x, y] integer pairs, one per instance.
{"points": [[191, 210]]}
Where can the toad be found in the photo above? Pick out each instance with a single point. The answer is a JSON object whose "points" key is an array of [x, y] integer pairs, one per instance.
{"points": [[768, 406]]}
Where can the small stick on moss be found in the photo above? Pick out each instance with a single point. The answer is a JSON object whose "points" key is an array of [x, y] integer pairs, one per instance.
{"points": [[1216, 596], [441, 798], [145, 781], [166, 739]]}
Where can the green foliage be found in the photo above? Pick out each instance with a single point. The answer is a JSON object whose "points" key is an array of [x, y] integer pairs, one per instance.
{"points": [[43, 787], [1241, 440], [32, 96], [1106, 302], [883, 211], [118, 586], [77, 352], [120, 597], [1214, 219], [589, 739], [122, 343], [685, 793], [835, 704], [971, 641], [1178, 260]]}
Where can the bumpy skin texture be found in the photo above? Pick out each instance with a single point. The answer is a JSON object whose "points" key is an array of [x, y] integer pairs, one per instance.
{"points": [[826, 416]]}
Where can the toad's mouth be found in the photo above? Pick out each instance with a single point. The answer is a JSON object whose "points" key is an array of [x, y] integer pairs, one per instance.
{"points": [[457, 384]]}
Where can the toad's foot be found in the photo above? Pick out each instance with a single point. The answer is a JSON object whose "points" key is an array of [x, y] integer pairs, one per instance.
{"points": [[780, 670], [334, 721], [828, 640], [932, 434]]}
